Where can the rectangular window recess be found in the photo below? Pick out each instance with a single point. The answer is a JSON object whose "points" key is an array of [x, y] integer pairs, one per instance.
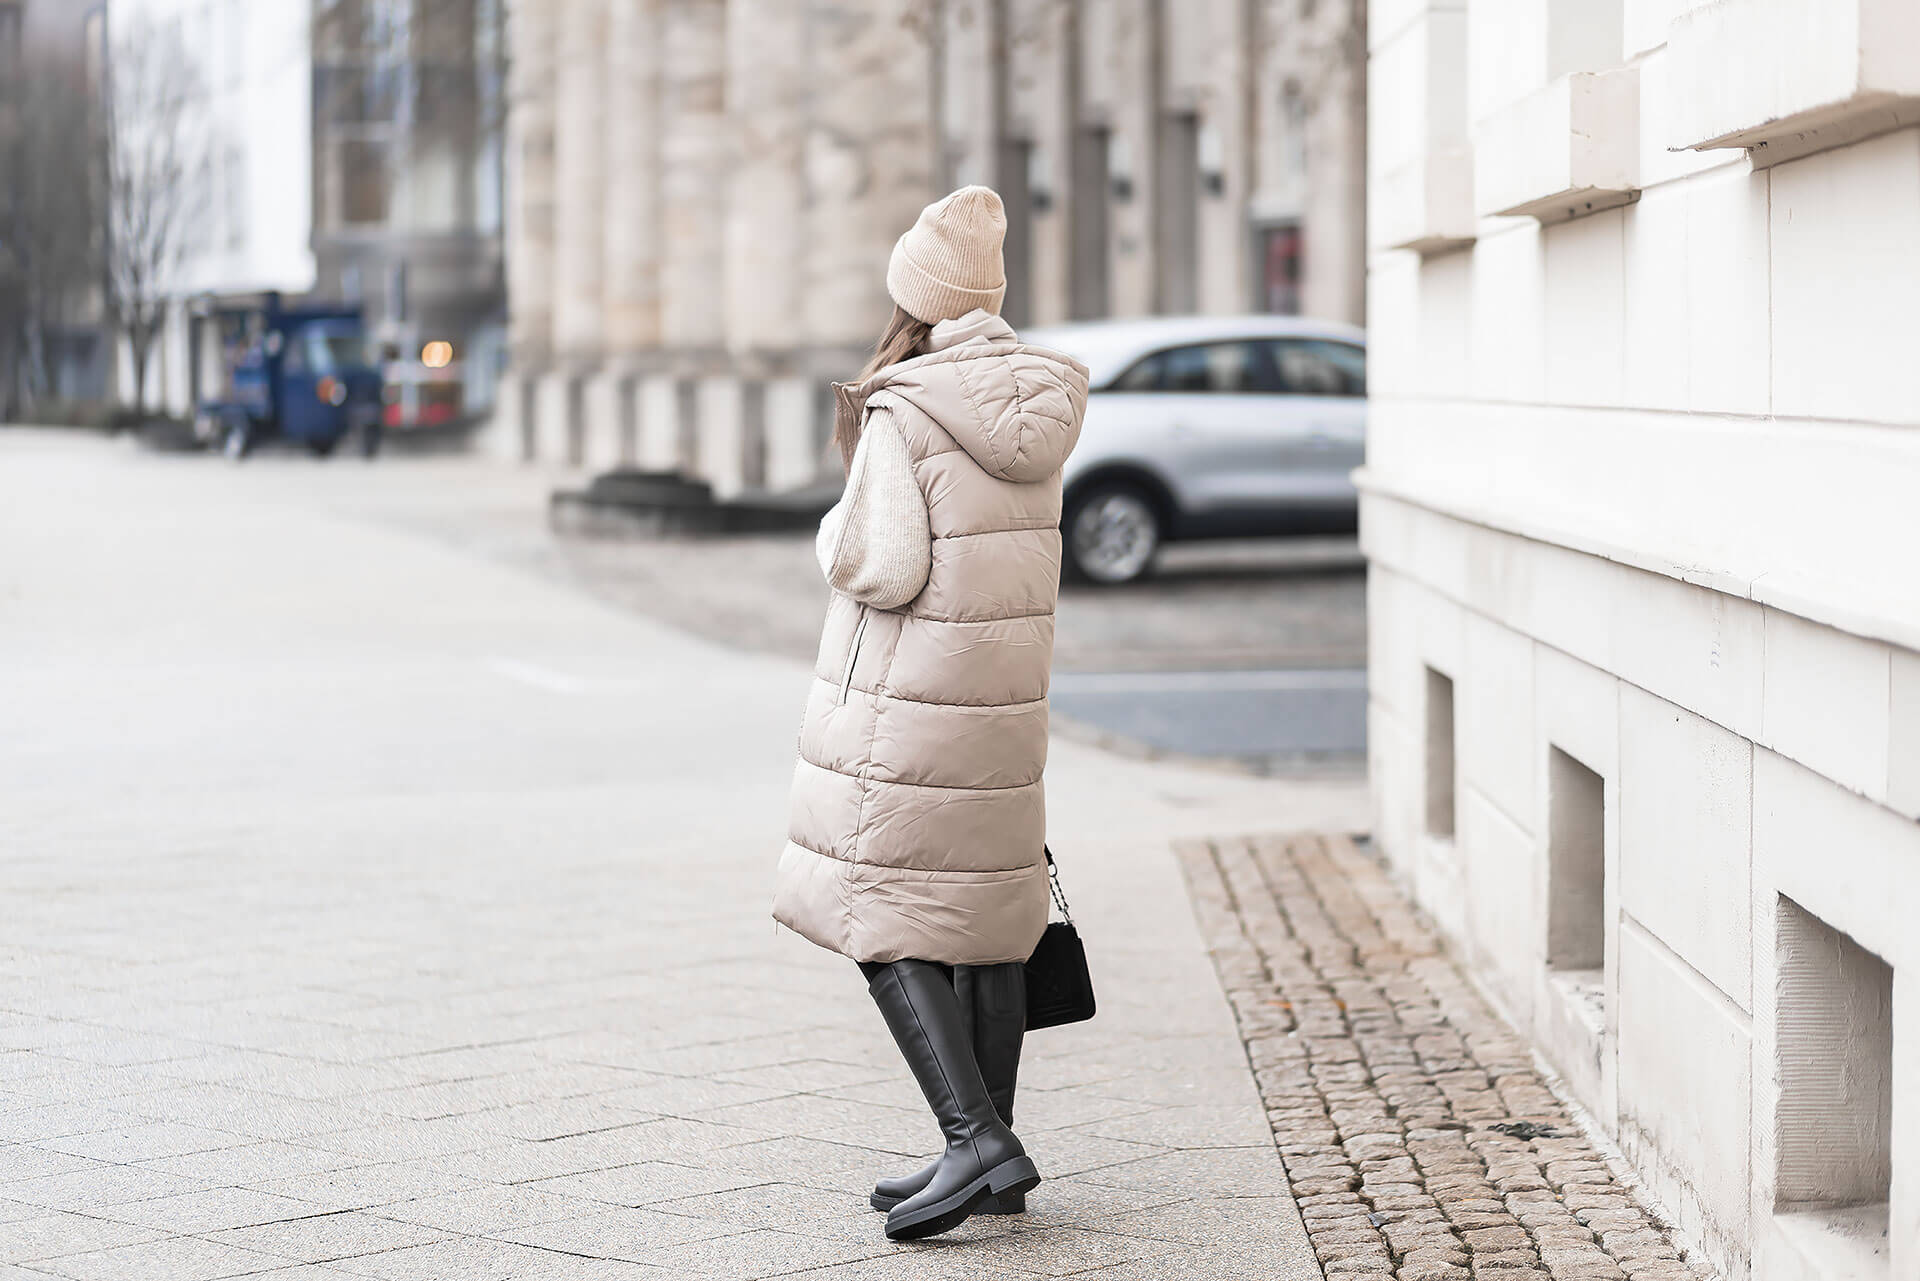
{"points": [[1833, 1119], [1440, 755], [1576, 865]]}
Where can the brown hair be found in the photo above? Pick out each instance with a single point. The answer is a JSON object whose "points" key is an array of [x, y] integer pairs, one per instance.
{"points": [[904, 335]]}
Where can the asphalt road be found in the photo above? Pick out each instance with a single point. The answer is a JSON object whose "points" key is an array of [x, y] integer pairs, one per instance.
{"points": [[1249, 652], [1273, 718]]}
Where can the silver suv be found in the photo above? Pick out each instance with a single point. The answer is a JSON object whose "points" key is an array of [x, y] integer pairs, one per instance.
{"points": [[1209, 427]]}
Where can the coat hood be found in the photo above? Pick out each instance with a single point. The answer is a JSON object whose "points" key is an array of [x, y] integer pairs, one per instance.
{"points": [[1015, 409]]}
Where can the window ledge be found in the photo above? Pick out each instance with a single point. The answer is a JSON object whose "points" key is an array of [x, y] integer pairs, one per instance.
{"points": [[1848, 1244], [1584, 992], [1784, 85], [1427, 206], [1567, 150], [1570, 1026]]}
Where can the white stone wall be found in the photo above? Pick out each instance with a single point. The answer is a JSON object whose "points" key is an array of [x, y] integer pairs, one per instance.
{"points": [[1641, 464]]}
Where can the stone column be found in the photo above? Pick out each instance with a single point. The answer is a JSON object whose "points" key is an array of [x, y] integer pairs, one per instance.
{"points": [[579, 167], [870, 162], [632, 218], [1044, 93], [630, 224], [1140, 84], [769, 78], [972, 82], [693, 153], [580, 175], [693, 164], [529, 222], [1336, 267], [1226, 94]]}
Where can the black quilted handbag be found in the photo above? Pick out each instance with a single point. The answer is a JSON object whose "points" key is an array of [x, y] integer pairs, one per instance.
{"points": [[1059, 988]]}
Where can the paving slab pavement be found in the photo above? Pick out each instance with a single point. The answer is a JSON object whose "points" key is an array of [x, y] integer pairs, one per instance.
{"points": [[378, 909]]}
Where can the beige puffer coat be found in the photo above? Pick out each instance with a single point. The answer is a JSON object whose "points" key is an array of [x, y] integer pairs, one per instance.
{"points": [[918, 810]]}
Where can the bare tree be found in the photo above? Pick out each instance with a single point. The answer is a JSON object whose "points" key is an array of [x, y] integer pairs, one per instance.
{"points": [[156, 164], [49, 218]]}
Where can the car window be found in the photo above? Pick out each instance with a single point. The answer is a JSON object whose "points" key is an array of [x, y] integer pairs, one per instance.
{"points": [[1225, 367], [1312, 367], [294, 361]]}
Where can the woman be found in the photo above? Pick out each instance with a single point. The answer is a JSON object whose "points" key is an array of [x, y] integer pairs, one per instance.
{"points": [[918, 814]]}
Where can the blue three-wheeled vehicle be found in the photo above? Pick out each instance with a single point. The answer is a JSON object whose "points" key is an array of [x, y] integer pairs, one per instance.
{"points": [[306, 374]]}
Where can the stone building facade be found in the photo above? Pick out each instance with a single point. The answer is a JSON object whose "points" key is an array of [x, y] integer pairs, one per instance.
{"points": [[1645, 626], [702, 194]]}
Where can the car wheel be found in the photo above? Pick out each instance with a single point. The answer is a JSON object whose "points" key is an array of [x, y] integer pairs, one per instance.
{"points": [[1111, 534], [322, 448]]}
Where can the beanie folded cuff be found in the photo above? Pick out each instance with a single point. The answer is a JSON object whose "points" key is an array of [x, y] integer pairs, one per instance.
{"points": [[930, 299]]}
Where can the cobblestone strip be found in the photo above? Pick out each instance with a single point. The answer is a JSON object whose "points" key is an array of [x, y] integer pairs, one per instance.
{"points": [[1420, 1142]]}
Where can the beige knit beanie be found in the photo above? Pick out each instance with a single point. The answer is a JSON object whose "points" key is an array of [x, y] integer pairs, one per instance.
{"points": [[949, 261]]}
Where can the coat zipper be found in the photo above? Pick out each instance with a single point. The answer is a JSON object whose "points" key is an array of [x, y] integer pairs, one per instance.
{"points": [[853, 654]]}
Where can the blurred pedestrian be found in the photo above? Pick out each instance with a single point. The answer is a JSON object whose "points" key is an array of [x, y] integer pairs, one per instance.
{"points": [[918, 814]]}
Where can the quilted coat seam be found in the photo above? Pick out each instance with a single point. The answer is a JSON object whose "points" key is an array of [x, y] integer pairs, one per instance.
{"points": [[1020, 408], [1018, 704], [1035, 781], [991, 618], [794, 840], [984, 788], [914, 698], [1021, 705], [1049, 527], [931, 874], [909, 872], [866, 780], [973, 402], [916, 873], [958, 787], [846, 884]]}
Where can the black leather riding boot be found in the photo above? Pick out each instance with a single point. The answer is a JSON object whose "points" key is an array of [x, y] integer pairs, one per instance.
{"points": [[993, 1006], [983, 1158]]}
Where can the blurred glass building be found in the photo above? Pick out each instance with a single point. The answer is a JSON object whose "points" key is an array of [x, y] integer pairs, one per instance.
{"points": [[702, 195], [408, 102]]}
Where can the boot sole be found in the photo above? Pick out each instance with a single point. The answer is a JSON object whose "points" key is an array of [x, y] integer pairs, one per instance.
{"points": [[993, 1205], [1009, 1178]]}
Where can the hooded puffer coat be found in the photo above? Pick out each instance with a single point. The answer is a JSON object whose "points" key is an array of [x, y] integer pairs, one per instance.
{"points": [[918, 811]]}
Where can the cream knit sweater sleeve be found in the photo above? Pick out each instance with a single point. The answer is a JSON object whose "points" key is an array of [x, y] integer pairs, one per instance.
{"points": [[876, 545]]}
